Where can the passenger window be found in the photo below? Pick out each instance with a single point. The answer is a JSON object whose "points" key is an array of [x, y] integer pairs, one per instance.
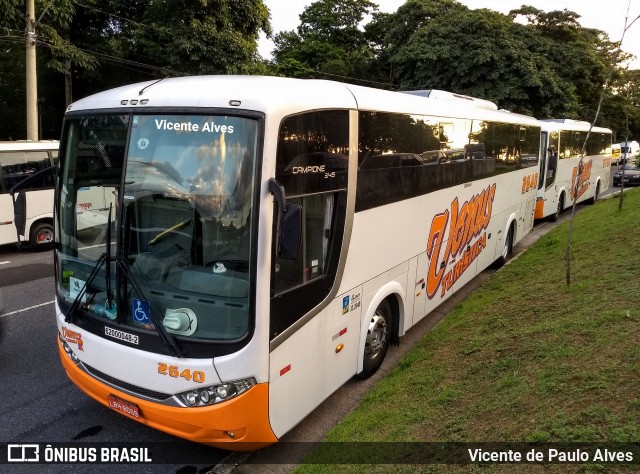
{"points": [[19, 165]]}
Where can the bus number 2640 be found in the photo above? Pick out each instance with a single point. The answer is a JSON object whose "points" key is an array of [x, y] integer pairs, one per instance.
{"points": [[175, 372]]}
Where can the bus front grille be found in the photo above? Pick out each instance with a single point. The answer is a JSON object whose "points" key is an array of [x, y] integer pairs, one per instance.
{"points": [[127, 387]]}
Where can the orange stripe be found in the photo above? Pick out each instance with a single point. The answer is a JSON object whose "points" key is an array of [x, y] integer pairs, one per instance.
{"points": [[246, 416], [539, 209]]}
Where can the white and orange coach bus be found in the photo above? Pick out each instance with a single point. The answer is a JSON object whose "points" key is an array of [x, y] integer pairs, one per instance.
{"points": [[562, 142], [25, 164], [269, 238]]}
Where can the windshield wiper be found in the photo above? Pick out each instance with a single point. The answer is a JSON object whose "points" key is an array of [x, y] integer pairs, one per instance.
{"points": [[122, 264], [104, 257], [109, 305], [167, 338]]}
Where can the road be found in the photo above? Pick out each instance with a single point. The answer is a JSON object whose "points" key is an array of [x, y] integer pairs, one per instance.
{"points": [[40, 404]]}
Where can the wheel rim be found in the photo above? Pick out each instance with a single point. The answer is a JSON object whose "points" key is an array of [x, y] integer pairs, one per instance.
{"points": [[45, 236], [377, 336]]}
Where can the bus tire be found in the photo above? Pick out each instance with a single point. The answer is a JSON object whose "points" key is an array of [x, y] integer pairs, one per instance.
{"points": [[377, 342], [597, 193], [41, 234], [507, 247]]}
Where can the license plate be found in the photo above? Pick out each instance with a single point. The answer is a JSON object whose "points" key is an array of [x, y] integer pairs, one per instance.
{"points": [[122, 406]]}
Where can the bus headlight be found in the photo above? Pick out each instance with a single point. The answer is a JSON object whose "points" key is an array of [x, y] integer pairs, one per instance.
{"points": [[216, 393], [67, 349]]}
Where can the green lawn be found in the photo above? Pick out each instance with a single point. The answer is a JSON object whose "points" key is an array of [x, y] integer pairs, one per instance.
{"points": [[524, 358]]}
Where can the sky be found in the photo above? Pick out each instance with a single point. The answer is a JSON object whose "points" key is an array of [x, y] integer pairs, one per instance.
{"points": [[606, 15]]}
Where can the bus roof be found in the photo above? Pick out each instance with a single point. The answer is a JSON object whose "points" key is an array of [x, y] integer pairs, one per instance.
{"points": [[444, 95], [284, 96], [552, 125], [27, 145]]}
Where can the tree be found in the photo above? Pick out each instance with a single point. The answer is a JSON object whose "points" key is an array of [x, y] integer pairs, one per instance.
{"points": [[105, 43], [51, 16], [445, 45], [329, 42], [582, 58], [548, 67], [603, 91], [201, 37]]}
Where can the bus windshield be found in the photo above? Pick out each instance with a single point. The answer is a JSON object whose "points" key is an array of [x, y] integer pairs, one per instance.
{"points": [[167, 199]]}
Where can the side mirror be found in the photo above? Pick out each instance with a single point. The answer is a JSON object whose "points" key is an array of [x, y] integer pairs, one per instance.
{"points": [[291, 232], [289, 224], [20, 211]]}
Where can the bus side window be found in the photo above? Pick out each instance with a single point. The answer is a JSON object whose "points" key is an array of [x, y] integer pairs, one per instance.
{"points": [[19, 165], [553, 164], [317, 216]]}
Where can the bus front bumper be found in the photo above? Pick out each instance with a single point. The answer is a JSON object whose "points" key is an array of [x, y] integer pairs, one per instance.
{"points": [[240, 424]]}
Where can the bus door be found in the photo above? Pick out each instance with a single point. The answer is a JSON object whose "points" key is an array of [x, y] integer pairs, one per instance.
{"points": [[313, 338], [551, 172]]}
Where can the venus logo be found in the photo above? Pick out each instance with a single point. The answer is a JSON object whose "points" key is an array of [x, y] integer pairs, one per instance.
{"points": [[582, 185], [466, 239]]}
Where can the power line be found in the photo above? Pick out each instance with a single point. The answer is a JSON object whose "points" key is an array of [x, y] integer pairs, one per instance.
{"points": [[113, 59], [89, 7], [328, 74]]}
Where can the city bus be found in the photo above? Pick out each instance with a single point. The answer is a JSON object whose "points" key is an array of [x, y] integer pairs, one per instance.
{"points": [[20, 160], [269, 238], [561, 181]]}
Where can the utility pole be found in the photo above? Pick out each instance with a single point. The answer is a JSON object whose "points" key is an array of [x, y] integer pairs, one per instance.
{"points": [[31, 75]]}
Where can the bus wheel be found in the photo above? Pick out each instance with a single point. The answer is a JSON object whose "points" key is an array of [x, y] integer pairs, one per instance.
{"points": [[41, 234], [377, 342], [595, 196], [507, 248]]}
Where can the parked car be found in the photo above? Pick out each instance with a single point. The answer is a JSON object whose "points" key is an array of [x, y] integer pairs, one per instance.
{"points": [[631, 175]]}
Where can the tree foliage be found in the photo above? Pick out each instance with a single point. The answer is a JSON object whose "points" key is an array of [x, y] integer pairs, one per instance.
{"points": [[105, 43], [328, 43], [530, 61]]}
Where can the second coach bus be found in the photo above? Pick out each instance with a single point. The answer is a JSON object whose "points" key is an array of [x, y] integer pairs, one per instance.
{"points": [[561, 182], [269, 238]]}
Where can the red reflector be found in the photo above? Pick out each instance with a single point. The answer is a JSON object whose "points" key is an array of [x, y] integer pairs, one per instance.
{"points": [[343, 331], [285, 370]]}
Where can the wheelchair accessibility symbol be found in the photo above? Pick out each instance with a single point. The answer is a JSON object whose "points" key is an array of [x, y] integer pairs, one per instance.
{"points": [[141, 310]]}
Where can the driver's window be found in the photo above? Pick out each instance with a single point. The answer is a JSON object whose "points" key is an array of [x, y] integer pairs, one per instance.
{"points": [[317, 214]]}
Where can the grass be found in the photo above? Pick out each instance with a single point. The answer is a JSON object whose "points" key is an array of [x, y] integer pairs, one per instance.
{"points": [[525, 358]]}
